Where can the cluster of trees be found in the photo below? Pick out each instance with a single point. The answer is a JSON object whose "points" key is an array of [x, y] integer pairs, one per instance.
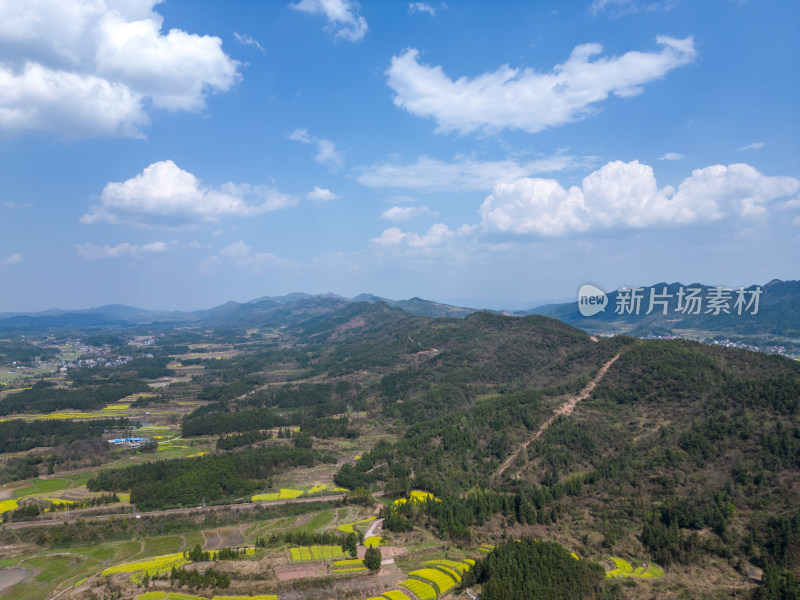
{"points": [[232, 390], [229, 442], [209, 479], [193, 579], [525, 569], [329, 427], [20, 467], [17, 436], [455, 515], [301, 538], [216, 423], [31, 510], [43, 397], [24, 353], [81, 532], [144, 367]]}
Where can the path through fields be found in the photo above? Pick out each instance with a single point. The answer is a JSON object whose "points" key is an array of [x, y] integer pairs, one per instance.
{"points": [[565, 409]]}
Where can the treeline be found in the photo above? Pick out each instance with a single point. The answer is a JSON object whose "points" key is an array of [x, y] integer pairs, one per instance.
{"points": [[526, 568], [125, 527], [301, 538], [215, 423], [147, 367], [42, 397], [229, 442], [229, 391], [24, 353], [329, 427], [455, 516], [210, 479], [17, 436], [309, 405], [31, 510], [193, 579]]}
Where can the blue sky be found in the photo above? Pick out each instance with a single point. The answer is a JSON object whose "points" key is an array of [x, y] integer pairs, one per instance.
{"points": [[180, 154]]}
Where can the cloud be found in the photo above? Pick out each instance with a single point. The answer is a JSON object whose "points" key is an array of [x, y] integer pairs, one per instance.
{"points": [[326, 149], [241, 255], [618, 8], [421, 7], [626, 196], [124, 250], [166, 195], [89, 69], [671, 156], [438, 235], [17, 204], [14, 259], [753, 146], [247, 40], [343, 18], [462, 174], [404, 213], [319, 194], [524, 99]]}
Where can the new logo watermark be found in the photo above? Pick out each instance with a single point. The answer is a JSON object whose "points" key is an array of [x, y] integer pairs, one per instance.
{"points": [[591, 300], [684, 300]]}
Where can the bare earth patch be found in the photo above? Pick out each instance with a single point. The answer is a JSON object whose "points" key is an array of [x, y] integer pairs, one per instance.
{"points": [[224, 537], [301, 570], [9, 577]]}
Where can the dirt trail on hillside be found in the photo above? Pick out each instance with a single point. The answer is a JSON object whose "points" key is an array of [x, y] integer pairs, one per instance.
{"points": [[565, 409]]}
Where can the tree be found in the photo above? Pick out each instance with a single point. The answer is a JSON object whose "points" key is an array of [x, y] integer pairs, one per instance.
{"points": [[350, 544], [372, 559]]}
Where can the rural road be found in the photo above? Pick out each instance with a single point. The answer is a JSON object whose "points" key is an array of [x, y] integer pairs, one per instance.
{"points": [[565, 409], [73, 515]]}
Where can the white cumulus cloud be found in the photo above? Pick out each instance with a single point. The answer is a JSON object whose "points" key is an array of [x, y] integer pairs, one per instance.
{"points": [[421, 7], [124, 250], [319, 194], [342, 15], [14, 259], [626, 195], [404, 213], [671, 156], [438, 235], [430, 174], [753, 146], [82, 69], [243, 256], [166, 195], [247, 40], [326, 149], [523, 98]]}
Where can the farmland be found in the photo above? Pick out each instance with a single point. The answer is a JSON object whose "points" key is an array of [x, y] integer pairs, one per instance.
{"points": [[283, 451]]}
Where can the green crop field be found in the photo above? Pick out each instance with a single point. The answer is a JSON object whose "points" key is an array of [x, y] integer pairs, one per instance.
{"points": [[625, 569], [442, 581], [421, 590], [158, 564], [395, 595]]}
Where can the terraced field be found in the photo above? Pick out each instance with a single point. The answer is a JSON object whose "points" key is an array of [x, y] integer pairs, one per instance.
{"points": [[423, 591], [625, 569], [309, 553]]}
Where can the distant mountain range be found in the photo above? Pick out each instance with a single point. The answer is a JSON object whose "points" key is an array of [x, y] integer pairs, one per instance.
{"points": [[773, 311], [777, 314], [257, 311]]}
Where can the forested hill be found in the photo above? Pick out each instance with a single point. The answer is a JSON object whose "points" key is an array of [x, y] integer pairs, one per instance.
{"points": [[682, 451], [669, 451], [777, 311]]}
